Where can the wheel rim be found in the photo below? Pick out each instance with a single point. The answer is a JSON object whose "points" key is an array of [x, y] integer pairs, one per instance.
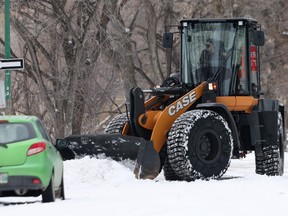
{"points": [[208, 146]]}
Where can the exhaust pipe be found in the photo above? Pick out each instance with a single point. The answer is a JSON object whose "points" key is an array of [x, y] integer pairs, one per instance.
{"points": [[20, 192]]}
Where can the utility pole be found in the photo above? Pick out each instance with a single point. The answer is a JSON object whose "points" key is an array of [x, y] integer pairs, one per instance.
{"points": [[7, 54]]}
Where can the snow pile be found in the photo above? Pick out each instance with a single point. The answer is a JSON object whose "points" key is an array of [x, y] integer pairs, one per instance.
{"points": [[103, 187], [97, 172]]}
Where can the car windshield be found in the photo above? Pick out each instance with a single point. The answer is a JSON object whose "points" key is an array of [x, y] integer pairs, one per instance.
{"points": [[15, 132]]}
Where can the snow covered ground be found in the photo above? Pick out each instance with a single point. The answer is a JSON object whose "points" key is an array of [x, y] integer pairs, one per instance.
{"points": [[104, 187]]}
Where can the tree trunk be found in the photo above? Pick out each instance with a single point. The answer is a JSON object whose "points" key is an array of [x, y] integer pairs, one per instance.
{"points": [[152, 39]]}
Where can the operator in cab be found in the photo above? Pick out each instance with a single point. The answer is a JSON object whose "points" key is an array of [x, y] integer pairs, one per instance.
{"points": [[211, 58]]}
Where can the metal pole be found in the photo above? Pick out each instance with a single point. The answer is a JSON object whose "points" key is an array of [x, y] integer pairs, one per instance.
{"points": [[7, 54]]}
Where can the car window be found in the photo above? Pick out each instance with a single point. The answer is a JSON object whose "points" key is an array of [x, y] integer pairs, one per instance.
{"points": [[43, 131], [16, 132]]}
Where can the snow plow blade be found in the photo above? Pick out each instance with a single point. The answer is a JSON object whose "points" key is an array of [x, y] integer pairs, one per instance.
{"points": [[116, 146], [148, 162]]}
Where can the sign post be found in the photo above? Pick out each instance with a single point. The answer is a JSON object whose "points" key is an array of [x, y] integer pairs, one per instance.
{"points": [[7, 65], [11, 64], [2, 95], [7, 53]]}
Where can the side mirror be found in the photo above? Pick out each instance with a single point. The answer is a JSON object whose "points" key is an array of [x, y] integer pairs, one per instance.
{"points": [[61, 143], [167, 40], [259, 38]]}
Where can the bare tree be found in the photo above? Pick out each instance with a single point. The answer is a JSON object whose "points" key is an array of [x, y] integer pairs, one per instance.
{"points": [[83, 56], [152, 39], [60, 46]]}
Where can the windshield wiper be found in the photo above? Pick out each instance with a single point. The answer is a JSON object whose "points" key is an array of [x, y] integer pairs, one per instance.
{"points": [[220, 69]]}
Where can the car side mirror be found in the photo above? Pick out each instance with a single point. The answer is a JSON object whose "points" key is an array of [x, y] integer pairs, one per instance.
{"points": [[61, 143], [167, 40], [259, 38]]}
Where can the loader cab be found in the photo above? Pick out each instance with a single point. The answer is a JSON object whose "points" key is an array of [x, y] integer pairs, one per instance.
{"points": [[224, 51]]}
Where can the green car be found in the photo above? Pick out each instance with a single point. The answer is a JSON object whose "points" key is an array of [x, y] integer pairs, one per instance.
{"points": [[30, 164]]}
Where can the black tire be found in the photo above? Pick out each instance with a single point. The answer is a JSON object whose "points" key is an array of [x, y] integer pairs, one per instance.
{"points": [[117, 124], [62, 190], [49, 194], [169, 173], [200, 145], [272, 161]]}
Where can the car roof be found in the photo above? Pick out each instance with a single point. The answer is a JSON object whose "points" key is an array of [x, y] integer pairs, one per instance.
{"points": [[19, 118]]}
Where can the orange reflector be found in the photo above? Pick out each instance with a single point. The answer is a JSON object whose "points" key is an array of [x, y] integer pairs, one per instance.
{"points": [[212, 86]]}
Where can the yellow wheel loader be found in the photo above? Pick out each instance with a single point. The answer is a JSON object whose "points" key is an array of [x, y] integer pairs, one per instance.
{"points": [[212, 110]]}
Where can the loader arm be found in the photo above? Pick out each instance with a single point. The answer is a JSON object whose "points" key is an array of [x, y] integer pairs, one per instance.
{"points": [[152, 105], [161, 121], [148, 160]]}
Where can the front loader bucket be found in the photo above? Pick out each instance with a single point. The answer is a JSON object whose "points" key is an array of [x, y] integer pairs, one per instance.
{"points": [[148, 162], [116, 146]]}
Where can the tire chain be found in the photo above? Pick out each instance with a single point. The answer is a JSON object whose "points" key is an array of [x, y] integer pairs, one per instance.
{"points": [[269, 163], [177, 153], [177, 157], [116, 124]]}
